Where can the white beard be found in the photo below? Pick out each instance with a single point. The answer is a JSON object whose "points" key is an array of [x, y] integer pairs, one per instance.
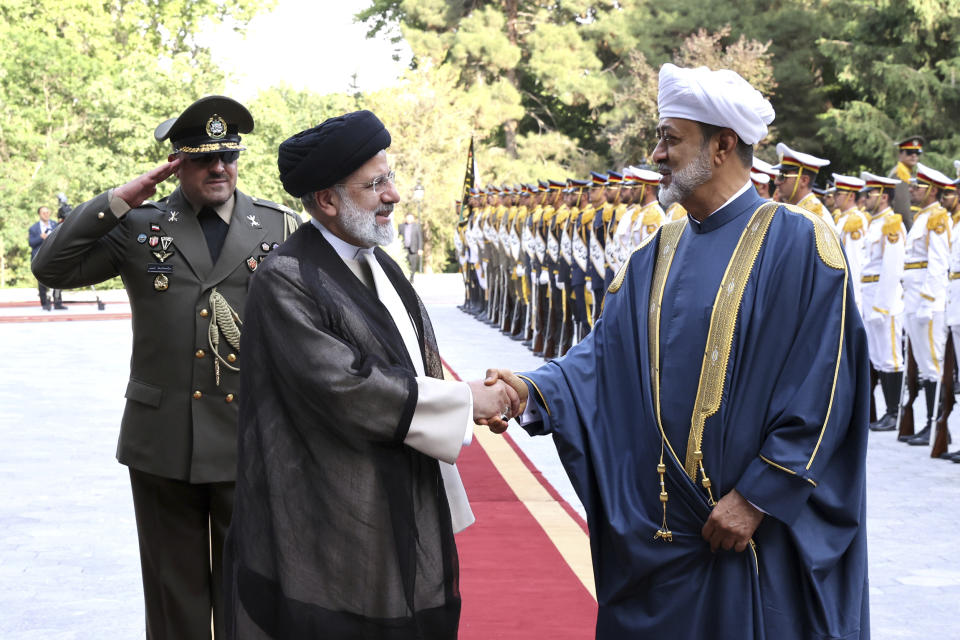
{"points": [[362, 225], [684, 181]]}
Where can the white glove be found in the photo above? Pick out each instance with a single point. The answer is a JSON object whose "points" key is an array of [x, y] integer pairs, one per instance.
{"points": [[560, 285], [544, 277], [925, 311]]}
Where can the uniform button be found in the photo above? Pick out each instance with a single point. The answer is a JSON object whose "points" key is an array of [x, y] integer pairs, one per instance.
{"points": [[100, 216], [197, 395], [232, 357], [204, 313], [228, 398], [200, 353]]}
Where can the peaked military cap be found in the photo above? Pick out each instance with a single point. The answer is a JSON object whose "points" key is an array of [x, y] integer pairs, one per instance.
{"points": [[913, 143], [209, 125]]}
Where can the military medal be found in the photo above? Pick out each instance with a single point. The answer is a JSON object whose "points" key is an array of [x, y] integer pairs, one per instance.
{"points": [[165, 242], [142, 238], [265, 246], [252, 264], [153, 241], [173, 216], [253, 221], [161, 283]]}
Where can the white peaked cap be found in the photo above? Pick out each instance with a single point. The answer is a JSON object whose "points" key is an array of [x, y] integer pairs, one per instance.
{"points": [[805, 160], [721, 98], [848, 183], [644, 175], [931, 175], [956, 165], [760, 166], [873, 181], [760, 178]]}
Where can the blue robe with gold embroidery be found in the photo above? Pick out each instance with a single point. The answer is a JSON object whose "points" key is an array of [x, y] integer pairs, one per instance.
{"points": [[789, 434]]}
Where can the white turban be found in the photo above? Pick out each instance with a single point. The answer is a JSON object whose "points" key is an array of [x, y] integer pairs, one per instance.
{"points": [[721, 98]]}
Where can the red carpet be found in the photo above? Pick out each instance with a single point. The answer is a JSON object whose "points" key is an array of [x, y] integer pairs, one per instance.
{"points": [[514, 582]]}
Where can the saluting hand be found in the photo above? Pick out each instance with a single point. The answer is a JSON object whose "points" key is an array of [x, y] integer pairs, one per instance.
{"points": [[142, 187], [731, 523]]}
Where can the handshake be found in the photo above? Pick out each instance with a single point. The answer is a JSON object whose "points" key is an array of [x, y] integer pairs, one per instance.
{"points": [[497, 398]]}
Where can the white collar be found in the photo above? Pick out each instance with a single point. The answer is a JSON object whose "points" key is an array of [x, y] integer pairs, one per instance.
{"points": [[344, 249]]}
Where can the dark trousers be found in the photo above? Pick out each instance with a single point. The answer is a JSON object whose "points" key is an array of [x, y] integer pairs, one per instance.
{"points": [[414, 260], [44, 301], [181, 528]]}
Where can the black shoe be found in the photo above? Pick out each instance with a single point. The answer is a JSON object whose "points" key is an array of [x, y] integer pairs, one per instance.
{"points": [[906, 438], [922, 439], [60, 307], [949, 455], [886, 423], [46, 307]]}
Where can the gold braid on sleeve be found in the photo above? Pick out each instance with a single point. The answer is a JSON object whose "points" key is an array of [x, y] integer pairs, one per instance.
{"points": [[226, 321]]}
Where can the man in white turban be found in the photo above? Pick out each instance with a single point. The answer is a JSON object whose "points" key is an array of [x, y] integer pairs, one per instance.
{"points": [[714, 422]]}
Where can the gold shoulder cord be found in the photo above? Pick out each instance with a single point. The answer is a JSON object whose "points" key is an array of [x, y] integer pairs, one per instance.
{"points": [[224, 318], [669, 237]]}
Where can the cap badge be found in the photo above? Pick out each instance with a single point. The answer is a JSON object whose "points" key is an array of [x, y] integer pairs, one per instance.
{"points": [[216, 127]]}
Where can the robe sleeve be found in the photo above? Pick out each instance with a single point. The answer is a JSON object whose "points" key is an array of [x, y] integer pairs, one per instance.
{"points": [[814, 401]]}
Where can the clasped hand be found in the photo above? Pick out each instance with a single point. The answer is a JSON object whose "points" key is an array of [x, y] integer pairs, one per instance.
{"points": [[498, 398]]}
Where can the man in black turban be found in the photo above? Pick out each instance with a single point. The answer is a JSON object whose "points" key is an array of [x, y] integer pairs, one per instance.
{"points": [[347, 496]]}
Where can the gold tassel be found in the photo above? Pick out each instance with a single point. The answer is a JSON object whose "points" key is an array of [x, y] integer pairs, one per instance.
{"points": [[663, 533]]}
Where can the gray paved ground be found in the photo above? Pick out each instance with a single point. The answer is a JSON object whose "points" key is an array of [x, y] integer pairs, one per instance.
{"points": [[69, 567]]}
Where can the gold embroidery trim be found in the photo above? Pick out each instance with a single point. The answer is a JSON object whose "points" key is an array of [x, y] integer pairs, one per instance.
{"points": [[915, 265], [670, 234], [933, 349], [533, 384], [836, 370], [828, 245], [926, 297], [212, 146], [723, 320], [782, 468], [875, 278]]}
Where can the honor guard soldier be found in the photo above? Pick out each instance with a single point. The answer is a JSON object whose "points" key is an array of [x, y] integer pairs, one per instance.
{"points": [[603, 232], [852, 226], [797, 174], [761, 182], [949, 200], [551, 261], [542, 272], [882, 293], [648, 215], [570, 308], [909, 151], [186, 262], [925, 285]]}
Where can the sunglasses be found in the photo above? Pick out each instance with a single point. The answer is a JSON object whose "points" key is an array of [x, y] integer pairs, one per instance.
{"points": [[204, 159], [912, 152]]}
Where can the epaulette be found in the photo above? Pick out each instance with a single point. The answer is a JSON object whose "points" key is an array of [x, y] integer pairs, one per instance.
{"points": [[276, 207], [892, 223], [852, 223], [653, 214], [937, 221]]}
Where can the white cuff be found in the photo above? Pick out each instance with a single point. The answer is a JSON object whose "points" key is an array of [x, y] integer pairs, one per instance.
{"points": [[118, 205], [443, 419]]}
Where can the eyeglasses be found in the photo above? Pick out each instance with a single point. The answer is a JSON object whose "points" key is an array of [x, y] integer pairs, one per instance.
{"points": [[204, 159], [783, 177], [378, 184]]}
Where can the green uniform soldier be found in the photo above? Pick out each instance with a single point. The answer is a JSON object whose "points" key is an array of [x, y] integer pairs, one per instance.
{"points": [[186, 262]]}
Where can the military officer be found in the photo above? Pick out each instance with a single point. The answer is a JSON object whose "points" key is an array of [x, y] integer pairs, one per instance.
{"points": [[852, 226], [881, 292], [949, 200], [761, 182], [795, 179], [648, 215], [186, 262], [909, 151], [925, 285]]}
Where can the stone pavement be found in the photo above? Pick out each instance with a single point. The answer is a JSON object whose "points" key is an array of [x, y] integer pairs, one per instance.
{"points": [[69, 565]]}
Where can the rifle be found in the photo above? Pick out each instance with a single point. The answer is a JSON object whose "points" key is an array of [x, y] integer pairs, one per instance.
{"points": [[908, 393], [874, 380], [941, 439]]}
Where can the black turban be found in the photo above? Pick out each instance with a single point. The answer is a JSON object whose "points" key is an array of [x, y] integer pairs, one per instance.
{"points": [[320, 157]]}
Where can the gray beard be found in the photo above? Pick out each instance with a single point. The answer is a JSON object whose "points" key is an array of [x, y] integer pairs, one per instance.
{"points": [[362, 225], [685, 180]]}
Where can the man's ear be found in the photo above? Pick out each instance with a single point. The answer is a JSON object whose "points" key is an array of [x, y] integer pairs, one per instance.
{"points": [[726, 145], [171, 158], [327, 202]]}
